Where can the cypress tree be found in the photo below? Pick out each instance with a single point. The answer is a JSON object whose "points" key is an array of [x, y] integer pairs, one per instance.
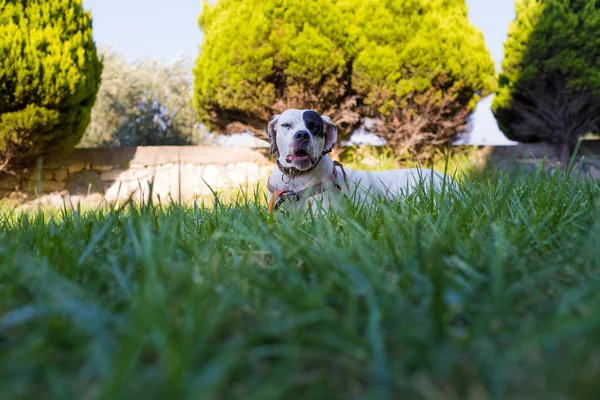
{"points": [[49, 77], [549, 88]]}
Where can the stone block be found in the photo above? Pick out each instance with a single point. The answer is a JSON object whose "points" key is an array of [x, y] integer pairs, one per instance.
{"points": [[103, 168], [214, 177], [137, 182], [19, 196], [46, 186], [8, 183], [166, 166], [47, 174], [75, 168], [60, 174], [112, 175], [121, 190], [84, 182], [242, 173]]}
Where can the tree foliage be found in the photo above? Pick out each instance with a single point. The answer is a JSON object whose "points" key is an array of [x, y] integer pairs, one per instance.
{"points": [[549, 88], [143, 103], [49, 77], [261, 57], [402, 62]]}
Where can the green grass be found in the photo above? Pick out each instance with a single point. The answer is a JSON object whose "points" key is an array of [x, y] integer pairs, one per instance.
{"points": [[493, 293]]}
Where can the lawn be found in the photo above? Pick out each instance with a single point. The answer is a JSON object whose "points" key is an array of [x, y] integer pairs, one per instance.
{"points": [[492, 292]]}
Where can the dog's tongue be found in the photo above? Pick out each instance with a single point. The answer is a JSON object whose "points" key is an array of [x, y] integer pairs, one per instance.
{"points": [[301, 154]]}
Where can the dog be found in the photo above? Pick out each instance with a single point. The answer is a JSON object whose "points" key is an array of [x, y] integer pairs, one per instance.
{"points": [[301, 140]]}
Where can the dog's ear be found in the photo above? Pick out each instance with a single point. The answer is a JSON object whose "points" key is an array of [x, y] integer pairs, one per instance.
{"points": [[330, 134], [273, 134]]}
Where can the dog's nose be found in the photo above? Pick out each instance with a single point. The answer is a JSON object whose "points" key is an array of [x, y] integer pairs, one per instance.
{"points": [[302, 136]]}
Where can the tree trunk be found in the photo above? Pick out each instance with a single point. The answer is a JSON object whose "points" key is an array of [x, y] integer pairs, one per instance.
{"points": [[564, 155]]}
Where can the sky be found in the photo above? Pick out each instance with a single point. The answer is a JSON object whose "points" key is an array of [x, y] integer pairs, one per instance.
{"points": [[151, 28]]}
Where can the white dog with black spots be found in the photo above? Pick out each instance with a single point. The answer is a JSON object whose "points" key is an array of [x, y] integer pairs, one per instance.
{"points": [[305, 175]]}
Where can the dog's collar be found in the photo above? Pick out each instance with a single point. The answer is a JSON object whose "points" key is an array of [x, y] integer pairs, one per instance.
{"points": [[278, 197]]}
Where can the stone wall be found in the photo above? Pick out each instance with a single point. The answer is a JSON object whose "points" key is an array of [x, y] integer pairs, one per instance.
{"points": [[192, 171], [116, 174], [530, 156]]}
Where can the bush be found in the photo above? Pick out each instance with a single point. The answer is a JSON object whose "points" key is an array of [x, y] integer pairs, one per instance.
{"points": [[549, 89], [404, 64], [143, 103], [262, 57], [420, 69], [49, 77]]}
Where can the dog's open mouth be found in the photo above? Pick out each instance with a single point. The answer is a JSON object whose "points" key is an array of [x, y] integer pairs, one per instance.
{"points": [[299, 155]]}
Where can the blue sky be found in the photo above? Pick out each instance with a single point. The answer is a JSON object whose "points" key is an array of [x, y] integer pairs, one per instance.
{"points": [[151, 28]]}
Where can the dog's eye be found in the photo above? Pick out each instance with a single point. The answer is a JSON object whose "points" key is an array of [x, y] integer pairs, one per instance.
{"points": [[286, 125], [315, 128]]}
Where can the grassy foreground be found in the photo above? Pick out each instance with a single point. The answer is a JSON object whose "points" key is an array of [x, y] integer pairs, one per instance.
{"points": [[493, 293]]}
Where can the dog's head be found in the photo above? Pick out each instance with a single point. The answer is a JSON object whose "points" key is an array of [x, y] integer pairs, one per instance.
{"points": [[300, 137]]}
